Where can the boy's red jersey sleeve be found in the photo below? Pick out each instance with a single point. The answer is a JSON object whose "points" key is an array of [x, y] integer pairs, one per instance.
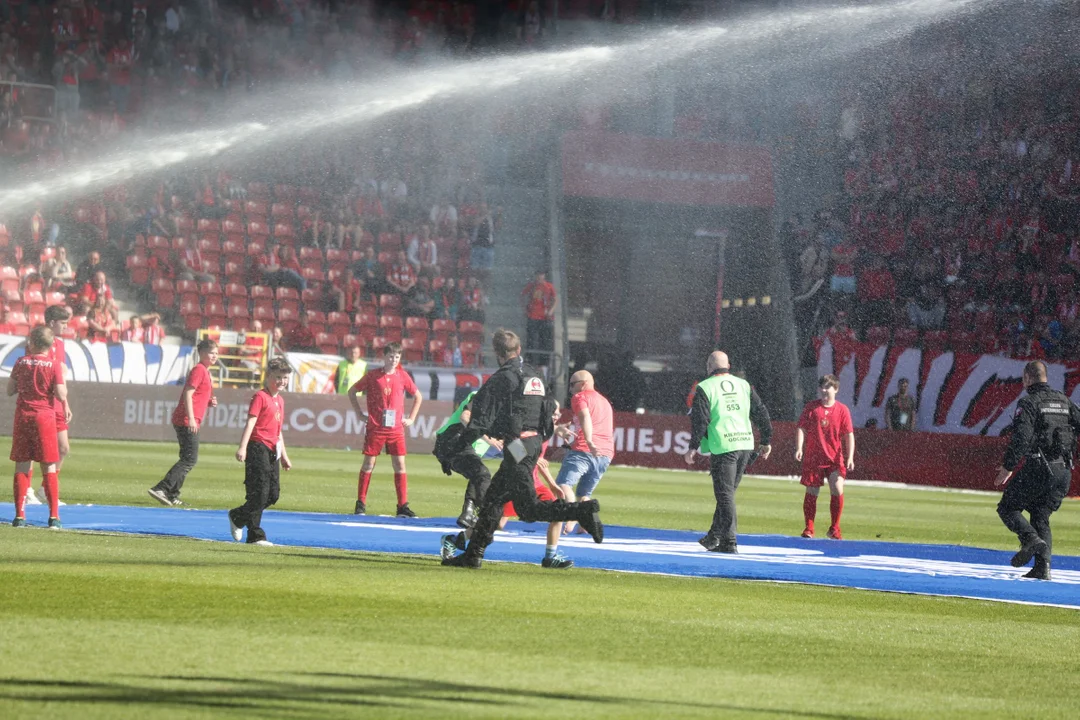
{"points": [[360, 385], [410, 385], [804, 418], [846, 426], [258, 402]]}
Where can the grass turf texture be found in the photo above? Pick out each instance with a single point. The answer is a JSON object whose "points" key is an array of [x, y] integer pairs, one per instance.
{"points": [[115, 626]]}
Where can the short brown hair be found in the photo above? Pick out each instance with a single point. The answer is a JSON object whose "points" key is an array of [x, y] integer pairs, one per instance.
{"points": [[279, 365], [391, 348], [1035, 371], [41, 338], [206, 345], [826, 381], [57, 312], [505, 342]]}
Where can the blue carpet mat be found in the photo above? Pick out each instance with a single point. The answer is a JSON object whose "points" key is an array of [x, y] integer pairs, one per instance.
{"points": [[945, 570]]}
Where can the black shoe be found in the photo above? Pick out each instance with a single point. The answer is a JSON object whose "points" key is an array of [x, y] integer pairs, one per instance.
{"points": [[360, 508], [467, 518], [558, 562], [405, 511], [176, 502], [460, 541], [708, 542], [590, 521], [462, 560], [728, 549], [1039, 573], [1028, 550]]}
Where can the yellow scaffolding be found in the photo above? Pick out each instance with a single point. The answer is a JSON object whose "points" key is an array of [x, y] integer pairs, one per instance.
{"points": [[242, 357]]}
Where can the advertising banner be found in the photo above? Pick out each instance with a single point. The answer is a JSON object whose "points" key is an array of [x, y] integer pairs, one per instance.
{"points": [[123, 362], [132, 412], [665, 170], [956, 393]]}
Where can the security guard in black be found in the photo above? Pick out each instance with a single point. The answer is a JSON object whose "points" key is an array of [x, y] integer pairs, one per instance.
{"points": [[1044, 432], [514, 406]]}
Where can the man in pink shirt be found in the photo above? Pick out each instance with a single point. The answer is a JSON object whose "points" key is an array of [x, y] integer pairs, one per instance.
{"points": [[592, 440]]}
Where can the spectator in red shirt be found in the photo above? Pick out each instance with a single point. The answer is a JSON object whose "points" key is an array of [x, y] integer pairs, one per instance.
{"points": [[134, 331], [876, 293], [93, 289], [153, 333], [400, 275], [472, 301], [539, 300], [276, 274], [191, 265], [301, 338], [101, 320]]}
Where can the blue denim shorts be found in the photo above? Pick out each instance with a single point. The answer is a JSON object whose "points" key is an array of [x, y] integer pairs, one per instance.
{"points": [[582, 471]]}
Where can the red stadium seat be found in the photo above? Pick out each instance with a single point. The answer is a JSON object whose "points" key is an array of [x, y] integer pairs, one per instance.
{"points": [[206, 225], [435, 351], [262, 292], [412, 350], [327, 343], [339, 322], [281, 210], [389, 301], [236, 292], [367, 318], [263, 311], [470, 353]]}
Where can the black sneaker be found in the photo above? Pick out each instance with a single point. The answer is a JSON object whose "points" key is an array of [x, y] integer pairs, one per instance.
{"points": [[462, 560], [728, 549], [467, 518], [1038, 573], [360, 508], [559, 562], [54, 524], [708, 542], [590, 521], [176, 502], [1028, 550], [404, 511], [18, 522]]}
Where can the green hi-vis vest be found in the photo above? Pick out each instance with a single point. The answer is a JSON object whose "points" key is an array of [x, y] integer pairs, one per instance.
{"points": [[348, 374], [480, 446], [729, 415]]}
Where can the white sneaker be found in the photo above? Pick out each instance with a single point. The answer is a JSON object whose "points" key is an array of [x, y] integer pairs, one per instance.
{"points": [[263, 543], [237, 532], [160, 497], [32, 498]]}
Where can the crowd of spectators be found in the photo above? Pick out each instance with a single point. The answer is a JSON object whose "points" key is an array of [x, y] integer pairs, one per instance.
{"points": [[957, 226]]}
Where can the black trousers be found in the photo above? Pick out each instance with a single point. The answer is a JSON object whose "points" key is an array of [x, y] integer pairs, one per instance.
{"points": [[469, 465], [727, 471], [262, 481], [1037, 489], [189, 455], [539, 335], [513, 481]]}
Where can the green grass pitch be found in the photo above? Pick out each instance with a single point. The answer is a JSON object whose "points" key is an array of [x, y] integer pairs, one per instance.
{"points": [[106, 626]]}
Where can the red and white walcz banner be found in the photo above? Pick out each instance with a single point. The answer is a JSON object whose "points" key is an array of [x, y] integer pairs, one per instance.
{"points": [[956, 393], [666, 170]]}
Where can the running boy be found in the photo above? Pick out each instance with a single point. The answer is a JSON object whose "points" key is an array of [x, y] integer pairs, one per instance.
{"points": [[38, 380], [830, 453], [261, 446], [385, 388], [198, 394]]}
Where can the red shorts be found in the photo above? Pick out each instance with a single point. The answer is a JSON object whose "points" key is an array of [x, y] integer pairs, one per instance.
{"points": [[543, 494], [61, 417], [816, 477], [33, 437], [376, 440]]}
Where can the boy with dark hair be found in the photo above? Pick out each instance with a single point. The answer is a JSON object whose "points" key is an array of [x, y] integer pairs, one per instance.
{"points": [[38, 380], [198, 394], [56, 319], [827, 424], [261, 473], [385, 425]]}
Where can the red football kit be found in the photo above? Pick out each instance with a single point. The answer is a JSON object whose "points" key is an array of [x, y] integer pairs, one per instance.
{"points": [[385, 394], [823, 450], [198, 378], [59, 356], [33, 436], [269, 411]]}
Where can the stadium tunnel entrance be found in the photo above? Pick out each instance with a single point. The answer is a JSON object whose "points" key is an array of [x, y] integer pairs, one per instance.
{"points": [[669, 253]]}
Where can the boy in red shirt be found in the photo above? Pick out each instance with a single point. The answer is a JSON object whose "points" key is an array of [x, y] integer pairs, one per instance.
{"points": [[385, 425], [830, 453], [261, 446], [198, 394], [56, 318], [37, 379]]}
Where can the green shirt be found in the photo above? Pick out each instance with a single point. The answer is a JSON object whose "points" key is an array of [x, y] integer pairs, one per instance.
{"points": [[729, 414], [480, 446], [348, 374]]}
